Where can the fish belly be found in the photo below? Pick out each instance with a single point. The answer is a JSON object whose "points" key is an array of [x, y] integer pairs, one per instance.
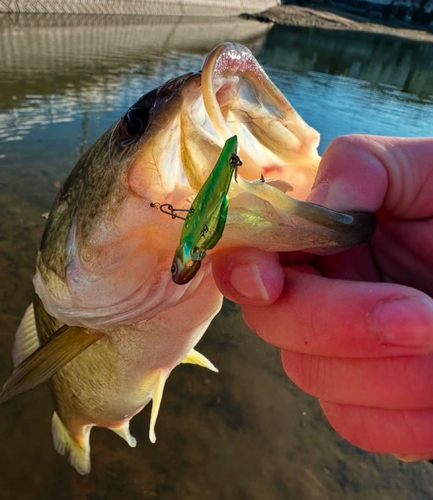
{"points": [[115, 378]]}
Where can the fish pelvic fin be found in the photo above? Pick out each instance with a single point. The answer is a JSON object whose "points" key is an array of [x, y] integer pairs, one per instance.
{"points": [[195, 358], [60, 348], [156, 403], [76, 451], [123, 432], [26, 339]]}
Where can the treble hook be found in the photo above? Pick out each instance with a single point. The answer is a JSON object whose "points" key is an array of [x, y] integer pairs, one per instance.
{"points": [[236, 162], [167, 208]]}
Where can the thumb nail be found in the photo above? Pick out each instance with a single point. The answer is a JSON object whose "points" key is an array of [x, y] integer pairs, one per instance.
{"points": [[247, 281], [319, 193], [337, 195]]}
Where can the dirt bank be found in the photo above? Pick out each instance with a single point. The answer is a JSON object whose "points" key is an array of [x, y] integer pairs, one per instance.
{"points": [[293, 15]]}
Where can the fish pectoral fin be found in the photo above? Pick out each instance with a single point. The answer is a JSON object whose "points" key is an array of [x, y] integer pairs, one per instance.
{"points": [[63, 346], [156, 403], [195, 358], [76, 451], [123, 432], [26, 339]]}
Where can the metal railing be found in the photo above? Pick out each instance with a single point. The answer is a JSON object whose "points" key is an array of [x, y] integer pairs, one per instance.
{"points": [[137, 7]]}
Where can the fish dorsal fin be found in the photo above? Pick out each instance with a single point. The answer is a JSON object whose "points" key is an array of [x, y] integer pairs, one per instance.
{"points": [[195, 358], [156, 403], [60, 348], [26, 338]]}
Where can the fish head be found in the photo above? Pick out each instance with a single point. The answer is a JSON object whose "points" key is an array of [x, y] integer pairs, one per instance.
{"points": [[192, 118], [108, 245], [178, 141]]}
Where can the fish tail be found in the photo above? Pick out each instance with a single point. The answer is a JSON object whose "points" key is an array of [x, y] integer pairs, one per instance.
{"points": [[76, 450]]}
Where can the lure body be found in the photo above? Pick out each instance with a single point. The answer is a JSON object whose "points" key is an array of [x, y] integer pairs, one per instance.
{"points": [[206, 219]]}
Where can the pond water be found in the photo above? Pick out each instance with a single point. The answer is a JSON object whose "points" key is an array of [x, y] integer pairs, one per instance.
{"points": [[246, 433]]}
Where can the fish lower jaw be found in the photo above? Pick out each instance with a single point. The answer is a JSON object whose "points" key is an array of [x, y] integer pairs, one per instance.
{"points": [[82, 306]]}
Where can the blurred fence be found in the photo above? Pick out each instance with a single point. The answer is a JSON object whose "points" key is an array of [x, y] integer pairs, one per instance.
{"points": [[133, 7]]}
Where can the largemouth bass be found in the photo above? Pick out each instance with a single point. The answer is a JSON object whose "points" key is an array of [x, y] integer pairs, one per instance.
{"points": [[108, 325]]}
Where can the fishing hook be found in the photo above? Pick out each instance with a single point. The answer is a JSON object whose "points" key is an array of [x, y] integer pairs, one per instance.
{"points": [[236, 162], [167, 208]]}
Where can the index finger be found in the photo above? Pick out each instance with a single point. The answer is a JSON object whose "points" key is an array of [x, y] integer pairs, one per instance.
{"points": [[337, 318]]}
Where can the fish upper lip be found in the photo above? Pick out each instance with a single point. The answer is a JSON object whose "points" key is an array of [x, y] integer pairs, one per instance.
{"points": [[233, 58], [224, 62]]}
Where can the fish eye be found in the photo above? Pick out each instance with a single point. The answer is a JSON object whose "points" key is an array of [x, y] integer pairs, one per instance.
{"points": [[173, 269], [235, 161], [135, 123]]}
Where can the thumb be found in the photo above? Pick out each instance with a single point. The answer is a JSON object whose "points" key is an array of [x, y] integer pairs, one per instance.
{"points": [[367, 173], [248, 276]]}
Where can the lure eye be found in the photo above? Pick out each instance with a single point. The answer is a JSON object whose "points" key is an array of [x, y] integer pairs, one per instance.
{"points": [[173, 269], [235, 161]]}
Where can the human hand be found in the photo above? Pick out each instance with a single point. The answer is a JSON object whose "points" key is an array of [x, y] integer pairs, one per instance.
{"points": [[356, 328]]}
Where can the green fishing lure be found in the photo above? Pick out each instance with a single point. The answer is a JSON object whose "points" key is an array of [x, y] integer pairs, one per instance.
{"points": [[206, 219]]}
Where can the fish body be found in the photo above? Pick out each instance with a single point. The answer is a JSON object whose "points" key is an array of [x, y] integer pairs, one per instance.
{"points": [[206, 219], [108, 325]]}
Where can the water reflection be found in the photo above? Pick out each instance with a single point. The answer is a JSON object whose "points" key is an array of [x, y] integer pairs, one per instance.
{"points": [[346, 82], [53, 68], [378, 59]]}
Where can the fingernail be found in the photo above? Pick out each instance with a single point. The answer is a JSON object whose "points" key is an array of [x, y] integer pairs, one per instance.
{"points": [[404, 322], [337, 195], [319, 193], [247, 281], [409, 458]]}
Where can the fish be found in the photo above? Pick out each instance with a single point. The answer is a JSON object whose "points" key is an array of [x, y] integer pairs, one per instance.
{"points": [[108, 325], [205, 220]]}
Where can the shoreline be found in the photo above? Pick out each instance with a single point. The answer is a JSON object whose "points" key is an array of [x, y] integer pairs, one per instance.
{"points": [[335, 19]]}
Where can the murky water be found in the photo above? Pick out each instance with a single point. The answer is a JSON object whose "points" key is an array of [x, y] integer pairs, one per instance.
{"points": [[246, 433]]}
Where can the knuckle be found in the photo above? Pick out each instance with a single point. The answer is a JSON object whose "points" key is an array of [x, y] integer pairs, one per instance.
{"points": [[343, 141], [307, 372]]}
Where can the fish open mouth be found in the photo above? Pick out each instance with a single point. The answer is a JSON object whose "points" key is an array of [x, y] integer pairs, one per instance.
{"points": [[240, 99], [191, 119], [192, 116]]}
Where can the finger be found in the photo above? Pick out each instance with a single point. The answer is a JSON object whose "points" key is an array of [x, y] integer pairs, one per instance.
{"points": [[299, 257], [369, 172], [335, 318], [248, 275], [404, 382], [356, 264], [399, 432], [405, 253]]}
